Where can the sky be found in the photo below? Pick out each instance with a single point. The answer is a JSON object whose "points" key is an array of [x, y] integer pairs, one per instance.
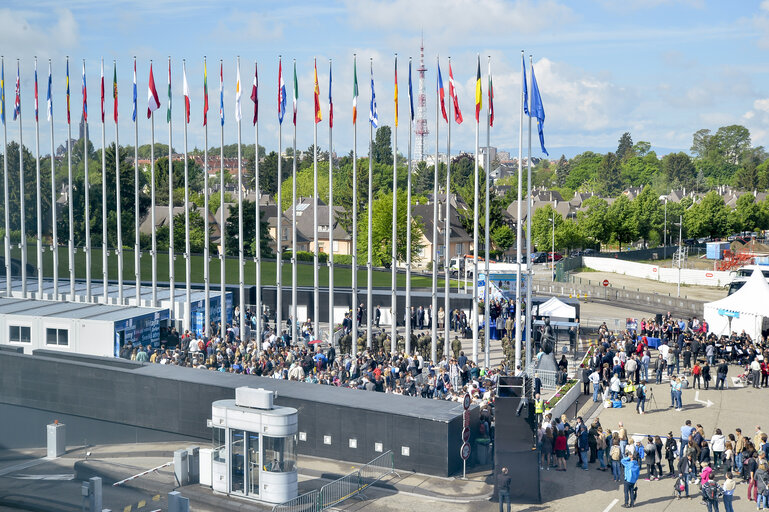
{"points": [[659, 69]]}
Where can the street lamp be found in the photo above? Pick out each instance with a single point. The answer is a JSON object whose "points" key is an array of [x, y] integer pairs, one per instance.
{"points": [[552, 254], [680, 235]]}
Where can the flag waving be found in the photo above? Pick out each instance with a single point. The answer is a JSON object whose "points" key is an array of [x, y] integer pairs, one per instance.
{"points": [[525, 87], [153, 100], [85, 96], [36, 90], [491, 99], [537, 110], [373, 115], [2, 91], [296, 92], [281, 93], [102, 91], [396, 91], [134, 96], [114, 91], [49, 98], [168, 110], [411, 94], [68, 119], [255, 93], [355, 91], [442, 95], [330, 101], [221, 91], [186, 92], [478, 95], [17, 104], [238, 112], [316, 94], [453, 95], [205, 93]]}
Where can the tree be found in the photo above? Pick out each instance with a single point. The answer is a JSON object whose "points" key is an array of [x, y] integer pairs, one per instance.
{"points": [[625, 146], [381, 148], [569, 236], [709, 217], [746, 215], [746, 177], [608, 175], [249, 232], [592, 220], [268, 174], [622, 222], [542, 227], [701, 143], [195, 180], [584, 168], [561, 171], [503, 237], [30, 194], [679, 169], [730, 142], [647, 213], [197, 233], [641, 148], [381, 233]]}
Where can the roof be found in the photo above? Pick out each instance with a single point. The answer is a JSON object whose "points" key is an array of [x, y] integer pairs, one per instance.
{"points": [[424, 212], [752, 298], [71, 310]]}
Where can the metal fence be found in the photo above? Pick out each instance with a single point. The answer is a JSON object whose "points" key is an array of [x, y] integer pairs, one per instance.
{"points": [[341, 489], [549, 378], [306, 502]]}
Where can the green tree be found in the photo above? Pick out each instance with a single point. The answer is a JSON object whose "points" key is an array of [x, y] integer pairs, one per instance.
{"points": [[625, 146], [731, 142], [381, 233], [30, 194], [197, 233], [249, 232], [702, 143], [503, 237], [542, 227], [608, 175], [593, 220], [641, 148], [622, 221], [584, 169], [746, 177], [679, 169], [746, 215], [709, 217], [381, 149], [569, 236], [561, 171], [647, 213]]}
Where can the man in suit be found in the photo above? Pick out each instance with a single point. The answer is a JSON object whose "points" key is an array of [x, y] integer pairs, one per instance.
{"points": [[413, 318], [377, 316], [421, 318]]}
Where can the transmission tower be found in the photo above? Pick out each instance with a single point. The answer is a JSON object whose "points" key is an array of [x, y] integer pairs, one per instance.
{"points": [[421, 129]]}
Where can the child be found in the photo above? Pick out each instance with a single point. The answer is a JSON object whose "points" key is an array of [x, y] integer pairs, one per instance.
{"points": [[705, 473]]}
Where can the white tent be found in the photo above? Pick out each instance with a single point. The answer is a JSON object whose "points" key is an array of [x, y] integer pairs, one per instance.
{"points": [[747, 308], [555, 308]]}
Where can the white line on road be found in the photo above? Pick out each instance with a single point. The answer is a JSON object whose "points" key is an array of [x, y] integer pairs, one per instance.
{"points": [[614, 502]]}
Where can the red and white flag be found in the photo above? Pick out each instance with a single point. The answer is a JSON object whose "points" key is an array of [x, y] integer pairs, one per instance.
{"points": [[186, 90], [153, 100]]}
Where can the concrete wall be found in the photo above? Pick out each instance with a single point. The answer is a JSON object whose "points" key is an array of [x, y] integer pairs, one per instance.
{"points": [[178, 401], [658, 273]]}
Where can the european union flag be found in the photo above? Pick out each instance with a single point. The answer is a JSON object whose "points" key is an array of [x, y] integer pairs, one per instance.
{"points": [[537, 110]]}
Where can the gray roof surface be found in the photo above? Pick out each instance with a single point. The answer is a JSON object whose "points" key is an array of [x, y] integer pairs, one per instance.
{"points": [[52, 309], [437, 410]]}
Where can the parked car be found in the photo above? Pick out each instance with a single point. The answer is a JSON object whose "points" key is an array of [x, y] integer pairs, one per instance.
{"points": [[539, 257], [554, 256]]}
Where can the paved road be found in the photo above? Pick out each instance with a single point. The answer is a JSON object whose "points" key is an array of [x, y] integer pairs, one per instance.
{"points": [[708, 293]]}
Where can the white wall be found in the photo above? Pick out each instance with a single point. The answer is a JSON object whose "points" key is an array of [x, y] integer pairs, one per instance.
{"points": [[657, 273], [85, 336]]}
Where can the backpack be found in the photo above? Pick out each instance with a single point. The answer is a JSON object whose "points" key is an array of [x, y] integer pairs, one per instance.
{"points": [[616, 453], [639, 392], [710, 491]]}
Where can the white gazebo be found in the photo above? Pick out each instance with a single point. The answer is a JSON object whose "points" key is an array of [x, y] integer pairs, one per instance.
{"points": [[747, 309], [557, 309]]}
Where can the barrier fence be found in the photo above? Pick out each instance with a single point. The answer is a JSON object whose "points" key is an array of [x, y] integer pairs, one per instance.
{"points": [[343, 488]]}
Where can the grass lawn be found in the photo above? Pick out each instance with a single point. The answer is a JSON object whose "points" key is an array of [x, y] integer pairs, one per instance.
{"points": [[342, 276]]}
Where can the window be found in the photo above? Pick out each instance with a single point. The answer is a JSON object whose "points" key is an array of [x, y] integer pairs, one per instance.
{"points": [[336, 245], [218, 444], [57, 337], [279, 454], [19, 334]]}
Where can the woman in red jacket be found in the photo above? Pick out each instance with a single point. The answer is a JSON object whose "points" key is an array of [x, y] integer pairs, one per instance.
{"points": [[560, 450]]}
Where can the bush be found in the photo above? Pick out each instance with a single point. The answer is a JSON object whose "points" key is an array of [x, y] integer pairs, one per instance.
{"points": [[305, 256], [343, 259]]}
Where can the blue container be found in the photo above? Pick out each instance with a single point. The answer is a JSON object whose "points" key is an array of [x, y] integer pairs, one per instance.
{"points": [[715, 250]]}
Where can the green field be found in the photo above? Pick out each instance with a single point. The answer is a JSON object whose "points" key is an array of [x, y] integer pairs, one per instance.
{"points": [[342, 276]]}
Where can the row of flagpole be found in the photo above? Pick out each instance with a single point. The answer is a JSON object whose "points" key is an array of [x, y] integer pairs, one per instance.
{"points": [[530, 105]]}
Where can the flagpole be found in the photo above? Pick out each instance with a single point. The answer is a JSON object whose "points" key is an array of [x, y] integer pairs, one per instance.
{"points": [[528, 238], [486, 298], [206, 208], [475, 319], [447, 236], [434, 249], [39, 206], [104, 232], [294, 319], [279, 211], [331, 340], [222, 208], [518, 231], [23, 245], [393, 263], [152, 210], [171, 247], [407, 317], [354, 309], [137, 241], [187, 251], [315, 277], [117, 196], [87, 186], [241, 263], [258, 222], [54, 231], [6, 196], [369, 261]]}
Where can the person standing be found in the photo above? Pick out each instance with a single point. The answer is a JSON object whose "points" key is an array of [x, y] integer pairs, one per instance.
{"points": [[762, 486], [685, 467], [710, 492], [595, 380], [722, 370], [641, 394], [728, 487], [632, 468], [503, 489]]}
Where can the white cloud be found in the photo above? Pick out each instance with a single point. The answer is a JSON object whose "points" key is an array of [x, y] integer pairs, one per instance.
{"points": [[24, 34], [249, 26]]}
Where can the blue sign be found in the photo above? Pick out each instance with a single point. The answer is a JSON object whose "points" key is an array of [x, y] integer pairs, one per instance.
{"points": [[726, 312]]}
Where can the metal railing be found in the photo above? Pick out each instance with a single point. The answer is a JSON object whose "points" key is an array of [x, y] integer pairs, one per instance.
{"points": [[548, 378], [341, 489], [306, 502]]}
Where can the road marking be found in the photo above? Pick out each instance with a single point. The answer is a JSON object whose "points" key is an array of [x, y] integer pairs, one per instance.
{"points": [[23, 465], [614, 502], [697, 399], [69, 476], [737, 382]]}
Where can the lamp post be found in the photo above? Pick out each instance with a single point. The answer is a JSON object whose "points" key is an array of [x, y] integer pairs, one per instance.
{"points": [[552, 254], [680, 233]]}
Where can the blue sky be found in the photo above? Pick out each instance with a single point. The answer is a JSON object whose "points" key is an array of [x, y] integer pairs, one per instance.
{"points": [[660, 69]]}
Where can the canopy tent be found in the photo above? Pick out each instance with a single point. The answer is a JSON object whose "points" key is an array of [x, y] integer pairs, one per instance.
{"points": [[554, 308], [746, 309]]}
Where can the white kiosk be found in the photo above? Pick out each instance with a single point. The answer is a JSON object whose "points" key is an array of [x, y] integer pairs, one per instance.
{"points": [[254, 447]]}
